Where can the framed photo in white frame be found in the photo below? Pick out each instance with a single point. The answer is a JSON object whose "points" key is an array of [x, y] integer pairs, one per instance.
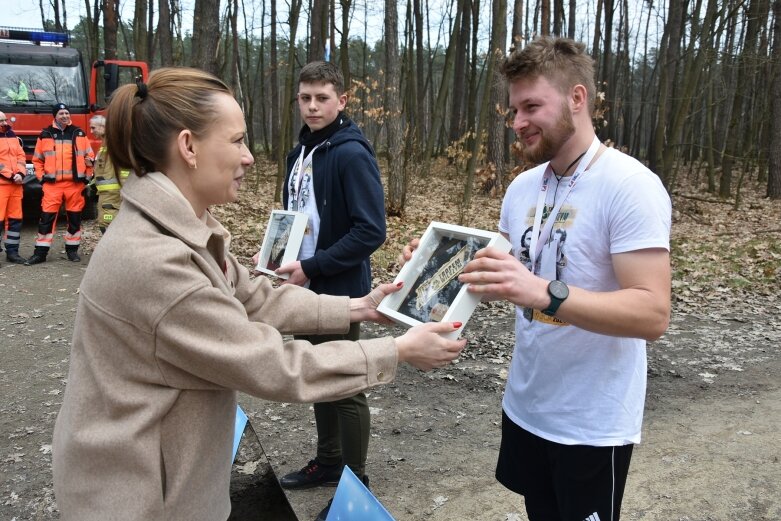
{"points": [[282, 242], [431, 290]]}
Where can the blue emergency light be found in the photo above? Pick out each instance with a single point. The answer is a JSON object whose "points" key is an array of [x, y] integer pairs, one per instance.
{"points": [[34, 35]]}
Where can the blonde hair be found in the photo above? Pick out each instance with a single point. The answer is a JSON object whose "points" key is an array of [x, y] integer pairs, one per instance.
{"points": [[561, 61], [143, 118]]}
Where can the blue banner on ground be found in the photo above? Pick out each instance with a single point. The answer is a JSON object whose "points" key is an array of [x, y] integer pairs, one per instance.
{"points": [[241, 422], [354, 502]]}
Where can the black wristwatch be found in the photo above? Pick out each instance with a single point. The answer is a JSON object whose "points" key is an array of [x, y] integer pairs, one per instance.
{"points": [[558, 292]]}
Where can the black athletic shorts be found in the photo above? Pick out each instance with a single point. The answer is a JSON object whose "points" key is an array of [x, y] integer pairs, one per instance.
{"points": [[562, 482]]}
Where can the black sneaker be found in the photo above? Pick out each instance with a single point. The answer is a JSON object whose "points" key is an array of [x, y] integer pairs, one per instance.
{"points": [[312, 475], [73, 256], [323, 515]]}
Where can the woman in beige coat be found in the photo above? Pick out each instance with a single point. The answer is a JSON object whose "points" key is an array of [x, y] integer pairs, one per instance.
{"points": [[169, 325]]}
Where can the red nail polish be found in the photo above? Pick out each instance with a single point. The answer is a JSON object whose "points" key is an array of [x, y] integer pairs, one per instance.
{"points": [[399, 284], [456, 325]]}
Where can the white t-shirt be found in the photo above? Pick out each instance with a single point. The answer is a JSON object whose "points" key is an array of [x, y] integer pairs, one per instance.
{"points": [[302, 199], [566, 384]]}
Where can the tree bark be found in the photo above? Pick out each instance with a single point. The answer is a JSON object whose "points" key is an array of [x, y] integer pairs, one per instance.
{"points": [[459, 73], [318, 30], [517, 29], [274, 81], [206, 17], [110, 23], [497, 121], [774, 160], [141, 51], [344, 43], [286, 138], [397, 189], [745, 69], [164, 34]]}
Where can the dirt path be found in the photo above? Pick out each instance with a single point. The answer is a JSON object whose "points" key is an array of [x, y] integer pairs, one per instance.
{"points": [[710, 450]]}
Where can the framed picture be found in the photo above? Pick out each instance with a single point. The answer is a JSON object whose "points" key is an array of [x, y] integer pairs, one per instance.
{"points": [[284, 234], [431, 290]]}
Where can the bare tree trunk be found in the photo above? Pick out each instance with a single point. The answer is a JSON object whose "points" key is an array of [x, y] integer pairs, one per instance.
{"points": [[671, 44], [558, 18], [571, 19], [774, 160], [459, 72], [318, 30], [235, 67], [285, 142], [141, 51], [517, 30], [206, 17], [344, 44], [479, 127], [274, 81], [745, 69], [92, 29], [164, 37], [442, 94], [497, 121], [110, 23], [545, 17], [700, 46], [420, 98], [397, 190], [595, 49]]}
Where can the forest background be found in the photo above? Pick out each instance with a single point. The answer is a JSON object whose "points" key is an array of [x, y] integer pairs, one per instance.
{"points": [[690, 87]]}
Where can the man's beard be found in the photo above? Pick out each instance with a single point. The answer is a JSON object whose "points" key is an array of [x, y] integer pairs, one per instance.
{"points": [[551, 140]]}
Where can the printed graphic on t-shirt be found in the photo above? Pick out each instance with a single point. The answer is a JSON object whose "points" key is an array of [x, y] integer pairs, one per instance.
{"points": [[552, 260]]}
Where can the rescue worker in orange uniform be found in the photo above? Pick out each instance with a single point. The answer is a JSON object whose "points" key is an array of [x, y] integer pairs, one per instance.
{"points": [[108, 180], [12, 170], [63, 162]]}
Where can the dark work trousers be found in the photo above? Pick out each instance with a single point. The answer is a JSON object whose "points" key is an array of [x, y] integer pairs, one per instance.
{"points": [[343, 425]]}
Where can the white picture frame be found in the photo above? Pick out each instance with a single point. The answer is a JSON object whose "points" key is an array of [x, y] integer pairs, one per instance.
{"points": [[282, 241], [431, 291]]}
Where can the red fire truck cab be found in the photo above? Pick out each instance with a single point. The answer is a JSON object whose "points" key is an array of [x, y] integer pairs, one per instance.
{"points": [[39, 69]]}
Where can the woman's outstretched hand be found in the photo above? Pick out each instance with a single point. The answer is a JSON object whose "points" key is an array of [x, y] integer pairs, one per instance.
{"points": [[424, 347], [365, 308]]}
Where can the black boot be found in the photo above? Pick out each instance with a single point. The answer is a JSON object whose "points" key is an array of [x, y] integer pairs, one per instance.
{"points": [[14, 257], [73, 253], [39, 256]]}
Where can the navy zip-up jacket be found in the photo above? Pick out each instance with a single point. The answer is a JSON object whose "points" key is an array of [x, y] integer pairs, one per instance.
{"points": [[351, 203]]}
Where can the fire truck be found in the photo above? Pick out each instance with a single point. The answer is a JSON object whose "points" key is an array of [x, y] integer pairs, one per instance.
{"points": [[38, 69]]}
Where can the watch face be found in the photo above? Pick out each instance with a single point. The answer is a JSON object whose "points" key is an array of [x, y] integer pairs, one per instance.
{"points": [[558, 289]]}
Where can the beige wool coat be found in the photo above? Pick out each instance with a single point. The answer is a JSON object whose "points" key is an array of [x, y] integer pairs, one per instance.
{"points": [[168, 326]]}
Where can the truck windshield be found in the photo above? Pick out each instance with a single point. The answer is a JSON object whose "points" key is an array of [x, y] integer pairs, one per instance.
{"points": [[40, 86]]}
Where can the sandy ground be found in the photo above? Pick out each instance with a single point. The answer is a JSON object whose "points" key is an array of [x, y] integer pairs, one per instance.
{"points": [[710, 446]]}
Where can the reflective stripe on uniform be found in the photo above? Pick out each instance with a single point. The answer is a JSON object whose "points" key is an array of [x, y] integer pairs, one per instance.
{"points": [[107, 185]]}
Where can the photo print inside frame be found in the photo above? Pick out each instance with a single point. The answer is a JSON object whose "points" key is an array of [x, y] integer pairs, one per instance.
{"points": [[282, 242], [431, 291]]}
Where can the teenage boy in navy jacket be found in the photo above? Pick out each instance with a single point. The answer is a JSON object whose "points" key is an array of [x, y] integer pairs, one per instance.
{"points": [[333, 177]]}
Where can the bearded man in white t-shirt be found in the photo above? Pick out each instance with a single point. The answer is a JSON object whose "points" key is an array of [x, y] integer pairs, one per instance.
{"points": [[592, 285]]}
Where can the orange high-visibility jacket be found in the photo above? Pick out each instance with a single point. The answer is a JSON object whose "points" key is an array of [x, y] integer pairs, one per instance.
{"points": [[11, 156], [56, 150]]}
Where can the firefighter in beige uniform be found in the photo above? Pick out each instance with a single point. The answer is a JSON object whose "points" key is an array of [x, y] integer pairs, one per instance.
{"points": [[107, 182]]}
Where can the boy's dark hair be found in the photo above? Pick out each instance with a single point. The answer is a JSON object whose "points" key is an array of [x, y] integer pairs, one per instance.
{"points": [[323, 72], [561, 61]]}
